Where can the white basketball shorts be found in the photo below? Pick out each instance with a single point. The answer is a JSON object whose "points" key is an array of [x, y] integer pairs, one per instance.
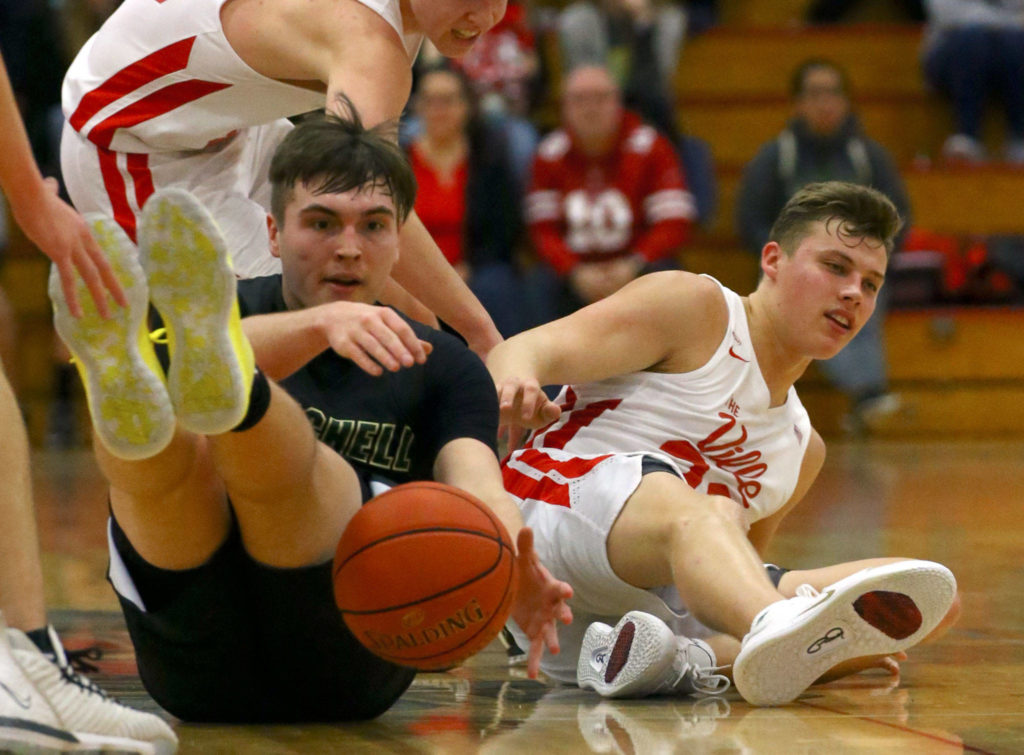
{"points": [[571, 503], [230, 179]]}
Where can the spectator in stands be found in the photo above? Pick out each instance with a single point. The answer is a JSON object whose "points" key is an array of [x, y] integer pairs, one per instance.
{"points": [[824, 142], [640, 41], [608, 200], [469, 199], [834, 11], [974, 49], [505, 70]]}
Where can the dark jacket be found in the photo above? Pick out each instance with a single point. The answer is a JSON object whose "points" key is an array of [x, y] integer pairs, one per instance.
{"points": [[798, 157]]}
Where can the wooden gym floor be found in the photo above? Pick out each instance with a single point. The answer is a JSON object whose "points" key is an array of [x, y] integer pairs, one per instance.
{"points": [[960, 504]]}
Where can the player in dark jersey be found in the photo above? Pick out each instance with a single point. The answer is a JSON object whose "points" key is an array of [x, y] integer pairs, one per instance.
{"points": [[224, 524]]}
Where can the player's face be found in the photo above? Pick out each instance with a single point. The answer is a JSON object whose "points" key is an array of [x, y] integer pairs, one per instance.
{"points": [[822, 103], [335, 247], [454, 25], [826, 289]]}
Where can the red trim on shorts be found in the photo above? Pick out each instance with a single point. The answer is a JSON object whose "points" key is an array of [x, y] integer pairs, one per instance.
{"points": [[166, 60], [142, 177], [578, 419], [113, 183], [152, 106], [546, 489], [569, 468]]}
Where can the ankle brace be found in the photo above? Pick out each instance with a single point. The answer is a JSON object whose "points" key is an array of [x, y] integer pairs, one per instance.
{"points": [[259, 402]]}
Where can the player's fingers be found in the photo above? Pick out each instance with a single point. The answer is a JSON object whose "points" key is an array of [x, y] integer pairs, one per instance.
{"points": [[92, 277], [508, 392], [353, 351], [533, 658], [524, 544], [530, 403], [516, 433], [106, 272], [67, 283], [401, 340], [551, 638]]}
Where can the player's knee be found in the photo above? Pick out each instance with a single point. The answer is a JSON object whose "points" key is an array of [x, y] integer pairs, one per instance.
{"points": [[728, 511]]}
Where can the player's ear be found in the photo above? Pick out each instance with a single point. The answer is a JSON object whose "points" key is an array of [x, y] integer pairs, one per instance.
{"points": [[272, 231], [771, 255]]}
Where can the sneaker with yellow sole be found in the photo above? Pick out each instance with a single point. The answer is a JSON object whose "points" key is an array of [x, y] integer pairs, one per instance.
{"points": [[192, 285], [124, 383]]}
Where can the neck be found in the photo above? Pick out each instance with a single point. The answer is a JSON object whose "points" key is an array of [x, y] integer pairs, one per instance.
{"points": [[780, 367]]}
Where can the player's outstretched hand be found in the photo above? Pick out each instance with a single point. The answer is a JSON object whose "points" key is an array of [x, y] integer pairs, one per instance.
{"points": [[540, 602], [523, 405], [63, 236], [373, 337]]}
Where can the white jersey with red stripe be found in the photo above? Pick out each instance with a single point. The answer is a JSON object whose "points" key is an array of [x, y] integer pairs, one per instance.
{"points": [[160, 76], [715, 425]]}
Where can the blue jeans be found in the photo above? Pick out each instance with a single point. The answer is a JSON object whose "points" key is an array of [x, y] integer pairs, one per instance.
{"points": [[972, 62]]}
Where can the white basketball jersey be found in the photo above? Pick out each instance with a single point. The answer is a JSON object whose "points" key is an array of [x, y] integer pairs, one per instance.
{"points": [[160, 75], [715, 423]]}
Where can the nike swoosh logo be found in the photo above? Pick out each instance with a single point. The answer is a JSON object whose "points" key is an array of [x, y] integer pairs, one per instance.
{"points": [[824, 596], [734, 355], [23, 702]]}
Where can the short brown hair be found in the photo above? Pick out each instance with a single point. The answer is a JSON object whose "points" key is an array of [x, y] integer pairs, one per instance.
{"points": [[862, 212], [334, 154]]}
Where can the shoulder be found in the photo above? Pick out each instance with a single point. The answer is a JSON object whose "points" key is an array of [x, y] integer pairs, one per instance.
{"points": [[693, 308], [554, 146], [641, 139]]}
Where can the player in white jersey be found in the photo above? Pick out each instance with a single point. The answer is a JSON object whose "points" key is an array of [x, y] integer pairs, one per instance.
{"points": [[657, 480], [196, 93]]}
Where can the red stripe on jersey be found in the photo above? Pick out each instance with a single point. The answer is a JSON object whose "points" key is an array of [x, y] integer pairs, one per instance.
{"points": [[156, 104], [113, 182], [150, 68], [579, 419], [142, 177], [570, 402], [547, 490]]}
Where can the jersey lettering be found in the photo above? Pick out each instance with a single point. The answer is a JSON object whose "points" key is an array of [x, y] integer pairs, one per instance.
{"points": [[726, 454], [377, 444]]}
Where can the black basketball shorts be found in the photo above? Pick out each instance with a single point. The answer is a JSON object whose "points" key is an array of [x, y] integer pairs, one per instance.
{"points": [[236, 641]]}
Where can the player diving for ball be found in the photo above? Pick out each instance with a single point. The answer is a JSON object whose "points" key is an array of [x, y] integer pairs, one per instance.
{"points": [[226, 504], [656, 482]]}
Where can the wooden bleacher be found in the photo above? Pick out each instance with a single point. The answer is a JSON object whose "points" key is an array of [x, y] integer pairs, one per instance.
{"points": [[959, 371]]}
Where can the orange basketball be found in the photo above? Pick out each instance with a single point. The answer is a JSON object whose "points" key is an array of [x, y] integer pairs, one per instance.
{"points": [[424, 575]]}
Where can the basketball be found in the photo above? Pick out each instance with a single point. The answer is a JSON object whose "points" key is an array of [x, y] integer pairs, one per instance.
{"points": [[424, 575]]}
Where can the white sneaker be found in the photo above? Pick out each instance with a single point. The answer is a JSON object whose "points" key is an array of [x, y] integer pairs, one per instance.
{"points": [[124, 383], [641, 656], [877, 611], [27, 722], [45, 706], [192, 284]]}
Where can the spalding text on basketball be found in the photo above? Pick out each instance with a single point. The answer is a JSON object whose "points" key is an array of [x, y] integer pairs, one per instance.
{"points": [[465, 617]]}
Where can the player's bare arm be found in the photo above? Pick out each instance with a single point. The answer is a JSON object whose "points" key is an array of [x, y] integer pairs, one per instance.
{"points": [[52, 225], [468, 464], [375, 338], [763, 531], [665, 322]]}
